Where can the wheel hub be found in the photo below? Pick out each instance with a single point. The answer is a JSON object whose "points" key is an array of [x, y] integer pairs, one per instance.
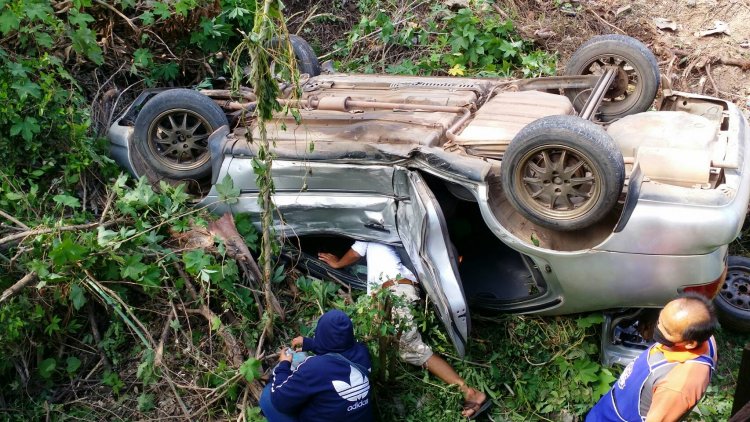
{"points": [[736, 290], [619, 85], [179, 139], [557, 181]]}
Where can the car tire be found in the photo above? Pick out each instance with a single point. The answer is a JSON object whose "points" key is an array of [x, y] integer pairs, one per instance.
{"points": [[307, 61], [569, 197], [171, 133], [733, 300], [635, 85]]}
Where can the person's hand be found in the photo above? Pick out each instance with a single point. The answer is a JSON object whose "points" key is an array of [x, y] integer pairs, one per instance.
{"points": [[329, 258], [297, 343], [283, 355]]}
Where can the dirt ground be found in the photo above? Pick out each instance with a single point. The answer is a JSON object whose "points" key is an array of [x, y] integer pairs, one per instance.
{"points": [[715, 64]]}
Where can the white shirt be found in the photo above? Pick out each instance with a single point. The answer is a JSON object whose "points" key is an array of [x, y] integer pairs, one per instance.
{"points": [[383, 264]]}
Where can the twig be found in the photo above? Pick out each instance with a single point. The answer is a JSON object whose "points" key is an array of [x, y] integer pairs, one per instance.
{"points": [[711, 78], [145, 333], [97, 337], [163, 43], [127, 19], [243, 414], [234, 351], [163, 338], [197, 413], [110, 197], [602, 20], [13, 220], [18, 286], [35, 232], [744, 64]]}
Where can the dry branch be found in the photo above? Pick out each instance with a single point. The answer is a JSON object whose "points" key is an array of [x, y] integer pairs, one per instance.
{"points": [[18, 286], [13, 220], [98, 337], [234, 351], [35, 232]]}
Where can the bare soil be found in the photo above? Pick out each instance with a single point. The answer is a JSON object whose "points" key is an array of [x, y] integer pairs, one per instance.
{"points": [[715, 64]]}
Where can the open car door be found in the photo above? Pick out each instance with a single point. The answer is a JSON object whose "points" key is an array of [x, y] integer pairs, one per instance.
{"points": [[424, 233]]}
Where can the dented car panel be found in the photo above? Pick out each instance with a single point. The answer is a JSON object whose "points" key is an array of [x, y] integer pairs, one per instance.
{"points": [[416, 173]]}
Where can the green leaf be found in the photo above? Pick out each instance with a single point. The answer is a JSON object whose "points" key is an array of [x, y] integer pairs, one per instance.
{"points": [[167, 72], [13, 196], [9, 21], [278, 275], [104, 237], [147, 18], [67, 200], [84, 42], [151, 277], [73, 364], [250, 369], [43, 39], [77, 296], [142, 57], [161, 10], [67, 251], [47, 367], [589, 320], [145, 402], [76, 18], [133, 267], [215, 323], [26, 88], [17, 69], [227, 192], [195, 261], [27, 128]]}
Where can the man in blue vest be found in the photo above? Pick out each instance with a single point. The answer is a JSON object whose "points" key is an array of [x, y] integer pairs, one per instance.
{"points": [[668, 379]]}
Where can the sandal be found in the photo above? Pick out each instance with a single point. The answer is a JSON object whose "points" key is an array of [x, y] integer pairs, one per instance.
{"points": [[477, 407]]}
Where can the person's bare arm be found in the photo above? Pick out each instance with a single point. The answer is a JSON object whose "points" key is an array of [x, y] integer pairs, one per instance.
{"points": [[675, 395], [349, 258]]}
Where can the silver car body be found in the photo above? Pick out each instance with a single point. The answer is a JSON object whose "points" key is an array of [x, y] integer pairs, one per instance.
{"points": [[686, 194]]}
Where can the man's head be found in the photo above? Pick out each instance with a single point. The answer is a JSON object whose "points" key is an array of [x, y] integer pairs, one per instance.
{"points": [[334, 333], [686, 322]]}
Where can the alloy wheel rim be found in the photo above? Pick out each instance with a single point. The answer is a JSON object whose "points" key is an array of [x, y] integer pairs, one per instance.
{"points": [[178, 138], [558, 182]]}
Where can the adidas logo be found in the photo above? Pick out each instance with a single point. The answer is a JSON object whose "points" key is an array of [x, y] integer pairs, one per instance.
{"points": [[357, 387]]}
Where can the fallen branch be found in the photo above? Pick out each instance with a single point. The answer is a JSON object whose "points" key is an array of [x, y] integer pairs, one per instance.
{"points": [[234, 351], [128, 20], [36, 232], [744, 64], [225, 229], [602, 20], [13, 220], [145, 335], [163, 338], [98, 337], [18, 286]]}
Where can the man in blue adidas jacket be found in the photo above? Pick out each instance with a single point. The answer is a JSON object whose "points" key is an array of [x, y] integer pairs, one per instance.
{"points": [[333, 385]]}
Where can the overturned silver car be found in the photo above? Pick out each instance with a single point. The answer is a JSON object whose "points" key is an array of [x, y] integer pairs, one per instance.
{"points": [[547, 196]]}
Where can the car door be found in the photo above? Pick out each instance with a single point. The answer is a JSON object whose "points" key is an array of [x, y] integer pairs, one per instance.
{"points": [[424, 234]]}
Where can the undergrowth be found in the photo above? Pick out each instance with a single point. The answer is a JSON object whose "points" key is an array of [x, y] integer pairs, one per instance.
{"points": [[133, 310], [430, 38]]}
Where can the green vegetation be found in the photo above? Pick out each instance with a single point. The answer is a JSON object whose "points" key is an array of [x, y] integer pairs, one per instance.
{"points": [[130, 308], [427, 40]]}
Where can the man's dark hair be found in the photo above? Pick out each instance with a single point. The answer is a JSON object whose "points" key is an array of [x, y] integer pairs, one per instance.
{"points": [[702, 330]]}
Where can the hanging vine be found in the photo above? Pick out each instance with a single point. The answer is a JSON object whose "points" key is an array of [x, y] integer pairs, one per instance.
{"points": [[257, 46]]}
